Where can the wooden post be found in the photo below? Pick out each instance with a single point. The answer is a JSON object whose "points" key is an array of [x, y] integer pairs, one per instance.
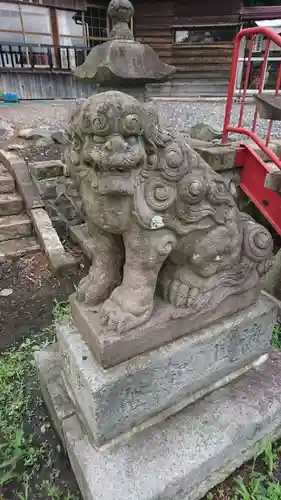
{"points": [[55, 36]]}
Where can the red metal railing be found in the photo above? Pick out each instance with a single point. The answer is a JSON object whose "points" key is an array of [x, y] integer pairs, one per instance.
{"points": [[270, 36]]}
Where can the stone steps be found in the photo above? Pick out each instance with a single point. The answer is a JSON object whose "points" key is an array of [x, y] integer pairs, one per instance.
{"points": [[10, 204], [15, 226], [13, 249], [16, 237], [7, 184]]}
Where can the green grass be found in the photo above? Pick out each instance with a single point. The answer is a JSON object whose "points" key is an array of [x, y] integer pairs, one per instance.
{"points": [[22, 451], [276, 337], [261, 485], [17, 453]]}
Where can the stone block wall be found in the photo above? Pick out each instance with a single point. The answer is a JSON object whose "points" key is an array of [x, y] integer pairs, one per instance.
{"points": [[61, 197]]}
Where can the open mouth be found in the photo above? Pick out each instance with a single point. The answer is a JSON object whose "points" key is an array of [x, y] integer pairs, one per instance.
{"points": [[118, 168], [117, 163]]}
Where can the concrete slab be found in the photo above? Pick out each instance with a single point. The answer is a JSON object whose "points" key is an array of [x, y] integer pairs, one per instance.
{"points": [[47, 169], [269, 106], [188, 454], [277, 144], [50, 242], [26, 185], [273, 181], [220, 158], [111, 402]]}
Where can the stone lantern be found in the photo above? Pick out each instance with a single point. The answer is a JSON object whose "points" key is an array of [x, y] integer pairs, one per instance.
{"points": [[122, 63]]}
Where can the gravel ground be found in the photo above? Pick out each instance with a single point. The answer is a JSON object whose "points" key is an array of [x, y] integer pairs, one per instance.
{"points": [[176, 114], [182, 115], [54, 114]]}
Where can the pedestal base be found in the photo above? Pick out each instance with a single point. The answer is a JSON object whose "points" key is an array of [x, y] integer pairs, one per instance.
{"points": [[158, 383], [183, 457], [166, 324]]}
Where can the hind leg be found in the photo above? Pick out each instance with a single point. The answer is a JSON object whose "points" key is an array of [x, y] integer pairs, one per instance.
{"points": [[178, 286]]}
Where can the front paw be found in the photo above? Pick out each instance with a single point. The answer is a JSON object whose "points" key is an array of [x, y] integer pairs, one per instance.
{"points": [[93, 292], [116, 319]]}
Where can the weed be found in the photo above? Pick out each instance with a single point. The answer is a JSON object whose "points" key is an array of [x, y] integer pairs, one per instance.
{"points": [[10, 454], [60, 310], [22, 451], [15, 446], [53, 492], [24, 495], [268, 455], [276, 336], [261, 486]]}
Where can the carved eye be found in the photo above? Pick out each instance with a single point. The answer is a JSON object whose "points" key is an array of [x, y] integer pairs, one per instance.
{"points": [[131, 125]]}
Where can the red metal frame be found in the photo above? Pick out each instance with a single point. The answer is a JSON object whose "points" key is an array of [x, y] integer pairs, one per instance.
{"points": [[252, 183], [239, 129], [254, 168]]}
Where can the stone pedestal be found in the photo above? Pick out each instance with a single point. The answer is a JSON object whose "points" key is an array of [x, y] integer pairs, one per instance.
{"points": [[137, 391], [169, 423], [180, 458]]}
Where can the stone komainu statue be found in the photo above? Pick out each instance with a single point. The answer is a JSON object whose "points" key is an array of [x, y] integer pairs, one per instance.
{"points": [[160, 217]]}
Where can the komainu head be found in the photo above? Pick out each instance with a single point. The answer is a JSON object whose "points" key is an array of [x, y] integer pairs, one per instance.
{"points": [[112, 131]]}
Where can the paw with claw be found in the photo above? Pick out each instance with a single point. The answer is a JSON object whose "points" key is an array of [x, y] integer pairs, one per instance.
{"points": [[125, 310], [93, 291]]}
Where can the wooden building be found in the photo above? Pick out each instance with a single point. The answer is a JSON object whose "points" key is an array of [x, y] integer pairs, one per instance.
{"points": [[42, 40]]}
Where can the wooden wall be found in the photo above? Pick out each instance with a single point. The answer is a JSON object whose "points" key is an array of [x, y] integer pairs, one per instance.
{"points": [[63, 4], [152, 25], [205, 65]]}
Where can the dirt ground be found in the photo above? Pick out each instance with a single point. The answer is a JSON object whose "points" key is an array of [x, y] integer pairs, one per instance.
{"points": [[27, 315], [28, 309]]}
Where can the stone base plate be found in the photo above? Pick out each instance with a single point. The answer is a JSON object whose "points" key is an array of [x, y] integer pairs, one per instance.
{"points": [[183, 457], [166, 324]]}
